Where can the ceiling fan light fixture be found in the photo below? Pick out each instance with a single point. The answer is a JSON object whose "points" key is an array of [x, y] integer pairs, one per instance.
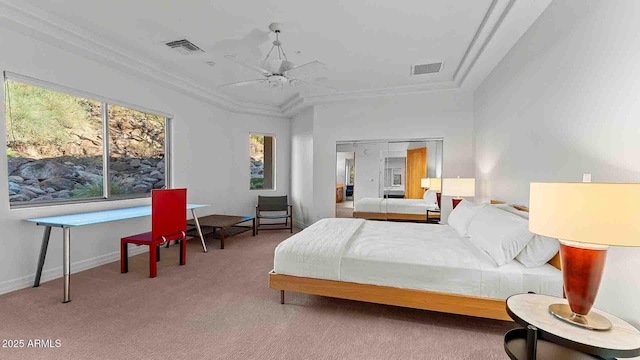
{"points": [[277, 69]]}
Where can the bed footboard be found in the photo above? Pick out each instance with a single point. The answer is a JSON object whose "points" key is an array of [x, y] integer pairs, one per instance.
{"points": [[410, 298]]}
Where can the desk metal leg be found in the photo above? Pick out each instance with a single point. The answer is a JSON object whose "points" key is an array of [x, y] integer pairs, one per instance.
{"points": [[204, 246], [43, 255], [66, 259]]}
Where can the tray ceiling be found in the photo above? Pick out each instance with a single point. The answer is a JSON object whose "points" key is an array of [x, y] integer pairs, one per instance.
{"points": [[369, 46]]}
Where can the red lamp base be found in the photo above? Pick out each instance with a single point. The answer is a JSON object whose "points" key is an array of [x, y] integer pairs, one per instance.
{"points": [[582, 266], [455, 202]]}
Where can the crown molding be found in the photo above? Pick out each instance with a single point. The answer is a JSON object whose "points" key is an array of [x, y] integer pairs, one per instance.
{"points": [[298, 102], [503, 24], [514, 20], [491, 23], [34, 23]]}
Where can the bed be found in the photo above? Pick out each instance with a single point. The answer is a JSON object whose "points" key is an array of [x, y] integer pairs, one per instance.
{"points": [[396, 192], [395, 264], [395, 209]]}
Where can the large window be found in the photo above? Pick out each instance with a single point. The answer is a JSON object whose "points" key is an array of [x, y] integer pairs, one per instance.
{"points": [[56, 150], [262, 162]]}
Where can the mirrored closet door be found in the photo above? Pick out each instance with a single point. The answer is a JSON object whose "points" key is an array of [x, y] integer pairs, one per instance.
{"points": [[368, 172]]}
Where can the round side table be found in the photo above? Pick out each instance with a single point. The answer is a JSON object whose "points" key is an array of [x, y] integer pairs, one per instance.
{"points": [[559, 339]]}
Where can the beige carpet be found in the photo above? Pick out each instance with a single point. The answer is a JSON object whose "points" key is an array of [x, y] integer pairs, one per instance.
{"points": [[344, 209], [218, 306]]}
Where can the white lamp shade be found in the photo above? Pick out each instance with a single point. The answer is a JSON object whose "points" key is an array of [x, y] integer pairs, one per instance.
{"points": [[425, 183], [459, 187], [594, 213], [436, 184]]}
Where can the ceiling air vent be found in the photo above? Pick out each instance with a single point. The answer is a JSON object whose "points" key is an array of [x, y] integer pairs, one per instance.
{"points": [[426, 68], [184, 46]]}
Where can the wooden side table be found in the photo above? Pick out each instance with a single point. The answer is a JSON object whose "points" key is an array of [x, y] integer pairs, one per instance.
{"points": [[550, 338]]}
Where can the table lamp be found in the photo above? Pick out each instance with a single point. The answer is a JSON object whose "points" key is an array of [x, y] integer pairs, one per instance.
{"points": [[425, 183], [586, 218], [459, 188]]}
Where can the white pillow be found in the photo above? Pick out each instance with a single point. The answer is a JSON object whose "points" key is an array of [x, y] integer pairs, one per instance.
{"points": [[430, 197], [500, 234], [511, 209], [540, 249], [461, 216]]}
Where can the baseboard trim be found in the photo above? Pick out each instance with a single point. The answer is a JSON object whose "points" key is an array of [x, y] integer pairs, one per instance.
{"points": [[54, 273], [299, 224]]}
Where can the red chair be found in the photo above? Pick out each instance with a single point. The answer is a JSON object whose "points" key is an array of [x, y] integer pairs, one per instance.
{"points": [[168, 223]]}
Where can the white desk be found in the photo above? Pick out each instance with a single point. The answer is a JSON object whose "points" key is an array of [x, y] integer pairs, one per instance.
{"points": [[66, 222]]}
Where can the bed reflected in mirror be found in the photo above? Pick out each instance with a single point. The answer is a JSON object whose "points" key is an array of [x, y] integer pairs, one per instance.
{"points": [[383, 180]]}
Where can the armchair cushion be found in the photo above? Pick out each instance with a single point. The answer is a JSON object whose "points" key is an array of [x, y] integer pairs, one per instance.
{"points": [[273, 203]]}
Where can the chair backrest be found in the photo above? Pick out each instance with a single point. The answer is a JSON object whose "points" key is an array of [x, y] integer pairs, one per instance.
{"points": [[168, 213], [273, 203]]}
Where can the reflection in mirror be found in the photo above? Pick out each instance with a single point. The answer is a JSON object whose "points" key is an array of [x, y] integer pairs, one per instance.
{"points": [[384, 180]]}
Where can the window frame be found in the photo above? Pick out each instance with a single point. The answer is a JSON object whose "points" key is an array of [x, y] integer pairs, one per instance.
{"points": [[273, 155], [105, 102]]}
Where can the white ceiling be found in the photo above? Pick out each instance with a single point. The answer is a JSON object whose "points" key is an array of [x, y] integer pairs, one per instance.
{"points": [[367, 44]]}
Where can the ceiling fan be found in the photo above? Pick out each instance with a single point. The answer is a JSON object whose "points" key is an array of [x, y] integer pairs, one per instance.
{"points": [[278, 71]]}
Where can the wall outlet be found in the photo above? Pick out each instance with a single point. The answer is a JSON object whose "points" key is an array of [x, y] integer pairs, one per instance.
{"points": [[586, 178]]}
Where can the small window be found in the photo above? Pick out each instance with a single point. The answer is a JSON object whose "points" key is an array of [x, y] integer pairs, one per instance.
{"points": [[397, 179], [262, 163]]}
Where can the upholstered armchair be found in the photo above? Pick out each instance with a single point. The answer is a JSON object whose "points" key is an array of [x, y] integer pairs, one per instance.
{"points": [[274, 208]]}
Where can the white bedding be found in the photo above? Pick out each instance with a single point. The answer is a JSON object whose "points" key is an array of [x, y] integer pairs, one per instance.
{"points": [[407, 255], [373, 205], [408, 206], [317, 251], [394, 206]]}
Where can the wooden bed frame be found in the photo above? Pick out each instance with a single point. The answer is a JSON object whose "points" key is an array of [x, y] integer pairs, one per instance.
{"points": [[411, 298], [394, 216]]}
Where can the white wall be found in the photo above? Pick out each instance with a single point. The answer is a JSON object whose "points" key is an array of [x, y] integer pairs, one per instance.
{"points": [[302, 167], [446, 114], [210, 154], [564, 102]]}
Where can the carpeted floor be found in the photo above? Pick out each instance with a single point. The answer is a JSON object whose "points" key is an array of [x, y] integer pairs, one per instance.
{"points": [[218, 306], [344, 209]]}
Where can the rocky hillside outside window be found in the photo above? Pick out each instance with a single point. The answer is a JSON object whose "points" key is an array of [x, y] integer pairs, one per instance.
{"points": [[136, 151], [262, 162], [56, 150]]}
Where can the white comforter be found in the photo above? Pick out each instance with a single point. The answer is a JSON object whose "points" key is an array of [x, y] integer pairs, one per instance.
{"points": [[317, 251], [394, 206], [406, 255]]}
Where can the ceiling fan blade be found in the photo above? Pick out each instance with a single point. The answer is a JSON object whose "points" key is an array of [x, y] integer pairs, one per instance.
{"points": [[243, 83], [247, 65], [306, 69]]}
